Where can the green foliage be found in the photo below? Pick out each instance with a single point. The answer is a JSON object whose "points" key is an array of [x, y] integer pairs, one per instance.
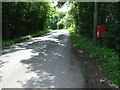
{"points": [[56, 17], [60, 20], [60, 4], [23, 18], [83, 17], [9, 42], [66, 21], [107, 58], [108, 15]]}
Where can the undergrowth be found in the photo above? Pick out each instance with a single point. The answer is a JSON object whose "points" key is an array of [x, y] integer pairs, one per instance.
{"points": [[9, 42], [105, 57]]}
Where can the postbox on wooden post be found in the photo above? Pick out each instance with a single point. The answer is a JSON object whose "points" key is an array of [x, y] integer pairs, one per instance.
{"points": [[100, 30]]}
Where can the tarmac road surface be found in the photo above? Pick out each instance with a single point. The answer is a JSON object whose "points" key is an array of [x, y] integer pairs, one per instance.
{"points": [[41, 62]]}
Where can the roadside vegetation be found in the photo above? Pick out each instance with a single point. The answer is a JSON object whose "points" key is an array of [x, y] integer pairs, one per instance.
{"points": [[81, 28], [105, 57], [24, 20], [10, 42], [108, 16]]}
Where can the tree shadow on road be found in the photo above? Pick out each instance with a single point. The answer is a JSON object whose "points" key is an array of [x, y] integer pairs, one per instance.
{"points": [[43, 59]]}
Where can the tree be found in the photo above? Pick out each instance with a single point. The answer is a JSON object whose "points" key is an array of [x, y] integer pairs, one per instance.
{"points": [[56, 17], [23, 18], [109, 16]]}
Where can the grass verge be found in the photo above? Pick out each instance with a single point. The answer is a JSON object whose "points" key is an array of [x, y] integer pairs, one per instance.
{"points": [[106, 58], [9, 42]]}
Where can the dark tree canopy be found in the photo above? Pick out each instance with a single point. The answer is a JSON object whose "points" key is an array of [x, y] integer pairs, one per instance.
{"points": [[23, 18]]}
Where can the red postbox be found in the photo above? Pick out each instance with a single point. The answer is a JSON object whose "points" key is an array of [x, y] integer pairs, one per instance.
{"points": [[100, 30]]}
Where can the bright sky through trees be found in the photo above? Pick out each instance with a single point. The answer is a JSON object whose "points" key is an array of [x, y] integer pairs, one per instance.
{"points": [[54, 3], [65, 8]]}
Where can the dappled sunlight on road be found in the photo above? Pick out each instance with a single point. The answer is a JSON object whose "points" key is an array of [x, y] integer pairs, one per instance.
{"points": [[40, 62], [13, 65], [52, 36]]}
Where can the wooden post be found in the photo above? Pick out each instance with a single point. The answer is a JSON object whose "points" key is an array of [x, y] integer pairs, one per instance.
{"points": [[95, 21]]}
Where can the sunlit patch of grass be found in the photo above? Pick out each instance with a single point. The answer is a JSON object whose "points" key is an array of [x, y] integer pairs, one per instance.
{"points": [[106, 58], [9, 42]]}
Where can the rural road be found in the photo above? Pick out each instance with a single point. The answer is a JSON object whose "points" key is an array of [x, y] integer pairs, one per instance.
{"points": [[41, 62]]}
